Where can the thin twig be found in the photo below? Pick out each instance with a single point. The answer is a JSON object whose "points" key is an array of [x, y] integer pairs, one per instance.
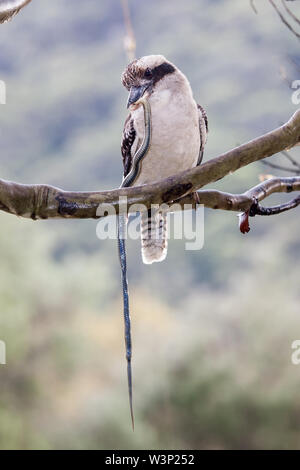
{"points": [[253, 6], [257, 209], [283, 19], [280, 167], [291, 159], [292, 15], [129, 40]]}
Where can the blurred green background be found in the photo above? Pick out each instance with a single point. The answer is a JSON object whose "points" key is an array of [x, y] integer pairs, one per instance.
{"points": [[212, 330]]}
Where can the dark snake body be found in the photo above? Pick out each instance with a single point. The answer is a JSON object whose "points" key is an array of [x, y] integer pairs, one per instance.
{"points": [[122, 220]]}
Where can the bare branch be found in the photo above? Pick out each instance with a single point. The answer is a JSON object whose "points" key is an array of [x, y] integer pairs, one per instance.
{"points": [[256, 209], [292, 15], [9, 8], [253, 6], [129, 40], [291, 159], [281, 167], [44, 201], [283, 19], [260, 192], [242, 202]]}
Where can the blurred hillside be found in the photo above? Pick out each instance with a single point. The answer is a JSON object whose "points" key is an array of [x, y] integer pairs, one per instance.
{"points": [[212, 330]]}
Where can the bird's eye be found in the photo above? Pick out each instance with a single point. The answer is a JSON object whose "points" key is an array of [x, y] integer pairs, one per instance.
{"points": [[148, 73]]}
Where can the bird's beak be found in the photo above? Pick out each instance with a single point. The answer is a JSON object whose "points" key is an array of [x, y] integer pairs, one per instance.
{"points": [[136, 92]]}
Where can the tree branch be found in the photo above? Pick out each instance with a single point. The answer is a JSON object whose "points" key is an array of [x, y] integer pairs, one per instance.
{"points": [[44, 201], [253, 6], [9, 8], [281, 167], [256, 209], [284, 20], [291, 159], [292, 15], [243, 202]]}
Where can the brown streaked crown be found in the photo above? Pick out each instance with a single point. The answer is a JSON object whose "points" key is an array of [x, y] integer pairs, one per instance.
{"points": [[132, 75], [146, 68]]}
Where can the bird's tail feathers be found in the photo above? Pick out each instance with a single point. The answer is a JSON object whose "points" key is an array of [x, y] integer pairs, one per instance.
{"points": [[154, 236]]}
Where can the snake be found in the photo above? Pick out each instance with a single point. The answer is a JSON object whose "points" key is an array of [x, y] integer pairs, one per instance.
{"points": [[122, 221]]}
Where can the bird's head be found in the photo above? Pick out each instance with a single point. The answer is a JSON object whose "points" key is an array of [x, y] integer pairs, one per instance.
{"points": [[143, 74]]}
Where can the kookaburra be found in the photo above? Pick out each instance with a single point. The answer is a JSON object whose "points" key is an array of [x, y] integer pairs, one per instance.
{"points": [[179, 133]]}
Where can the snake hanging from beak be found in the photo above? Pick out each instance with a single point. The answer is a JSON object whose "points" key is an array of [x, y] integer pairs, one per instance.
{"points": [[122, 222]]}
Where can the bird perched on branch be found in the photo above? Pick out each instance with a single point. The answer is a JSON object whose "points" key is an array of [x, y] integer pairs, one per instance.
{"points": [[179, 133]]}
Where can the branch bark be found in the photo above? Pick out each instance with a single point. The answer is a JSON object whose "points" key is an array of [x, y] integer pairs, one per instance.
{"points": [[243, 202], [9, 8], [44, 201]]}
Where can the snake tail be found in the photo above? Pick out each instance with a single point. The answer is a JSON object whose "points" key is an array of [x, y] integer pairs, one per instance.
{"points": [[122, 222], [126, 312]]}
